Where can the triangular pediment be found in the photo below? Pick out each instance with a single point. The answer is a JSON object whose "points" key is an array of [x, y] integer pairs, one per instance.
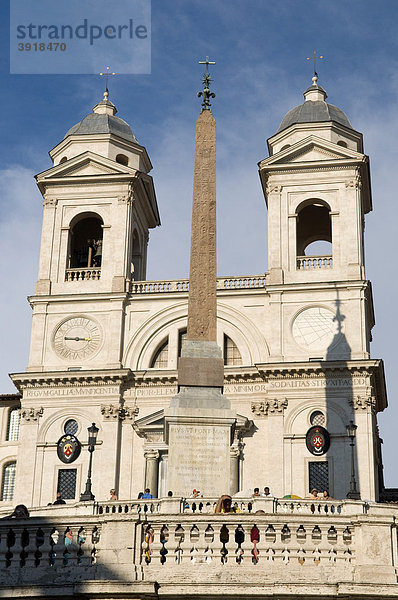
{"points": [[86, 164], [155, 419], [311, 149]]}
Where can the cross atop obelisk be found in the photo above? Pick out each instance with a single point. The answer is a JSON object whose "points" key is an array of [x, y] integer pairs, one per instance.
{"points": [[206, 80]]}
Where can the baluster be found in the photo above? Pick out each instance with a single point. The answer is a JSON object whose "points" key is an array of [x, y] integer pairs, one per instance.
{"points": [[216, 545], [14, 547], [199, 542], [179, 535], [46, 547], [186, 546], [156, 546], [3, 548], [246, 545], [83, 548], [164, 538]]}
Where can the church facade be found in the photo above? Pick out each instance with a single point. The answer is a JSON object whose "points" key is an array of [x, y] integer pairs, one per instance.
{"points": [[298, 372]]}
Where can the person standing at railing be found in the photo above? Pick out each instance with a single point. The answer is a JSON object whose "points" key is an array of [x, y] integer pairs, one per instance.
{"points": [[59, 499], [147, 495], [266, 493], [113, 495]]}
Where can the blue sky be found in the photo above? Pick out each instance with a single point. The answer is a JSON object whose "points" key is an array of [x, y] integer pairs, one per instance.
{"points": [[260, 48]]}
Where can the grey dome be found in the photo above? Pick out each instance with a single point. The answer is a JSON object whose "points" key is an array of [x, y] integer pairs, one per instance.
{"points": [[314, 111], [102, 123]]}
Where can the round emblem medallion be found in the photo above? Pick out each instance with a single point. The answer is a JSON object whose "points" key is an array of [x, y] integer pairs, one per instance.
{"points": [[318, 440], [68, 448], [77, 338]]}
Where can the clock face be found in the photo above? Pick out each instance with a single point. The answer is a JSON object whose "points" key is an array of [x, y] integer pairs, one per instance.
{"points": [[77, 338]]}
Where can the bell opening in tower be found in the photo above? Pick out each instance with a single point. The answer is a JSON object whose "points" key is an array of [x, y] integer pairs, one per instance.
{"points": [[85, 242], [314, 232]]}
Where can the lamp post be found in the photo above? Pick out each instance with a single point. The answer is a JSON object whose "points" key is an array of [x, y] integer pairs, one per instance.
{"points": [[353, 493], [92, 440]]}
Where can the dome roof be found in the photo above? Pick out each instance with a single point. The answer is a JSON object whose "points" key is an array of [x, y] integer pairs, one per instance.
{"points": [[314, 110], [102, 120]]}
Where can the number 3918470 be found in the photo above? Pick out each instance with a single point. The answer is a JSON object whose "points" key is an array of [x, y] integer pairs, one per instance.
{"points": [[42, 47]]}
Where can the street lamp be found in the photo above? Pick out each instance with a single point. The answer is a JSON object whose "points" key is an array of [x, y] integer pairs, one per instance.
{"points": [[92, 440], [351, 431]]}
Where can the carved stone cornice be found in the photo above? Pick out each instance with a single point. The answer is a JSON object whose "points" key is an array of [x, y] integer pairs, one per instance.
{"points": [[31, 414], [324, 369], [263, 408], [104, 377]]}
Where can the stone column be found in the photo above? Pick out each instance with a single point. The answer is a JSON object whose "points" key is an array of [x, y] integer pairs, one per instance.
{"points": [[235, 457], [151, 471]]}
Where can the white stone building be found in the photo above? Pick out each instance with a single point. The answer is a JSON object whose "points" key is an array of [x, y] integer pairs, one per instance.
{"points": [[296, 344]]}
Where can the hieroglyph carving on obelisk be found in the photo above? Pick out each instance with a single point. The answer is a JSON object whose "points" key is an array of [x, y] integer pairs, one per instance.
{"points": [[202, 305]]}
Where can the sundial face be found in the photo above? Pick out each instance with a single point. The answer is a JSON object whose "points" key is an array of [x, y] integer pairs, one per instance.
{"points": [[316, 328], [77, 338]]}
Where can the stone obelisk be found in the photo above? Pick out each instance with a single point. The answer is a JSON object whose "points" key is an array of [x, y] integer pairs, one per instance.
{"points": [[199, 420]]}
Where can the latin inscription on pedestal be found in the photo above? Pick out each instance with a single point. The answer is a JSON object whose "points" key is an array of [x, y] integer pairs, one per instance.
{"points": [[199, 459]]}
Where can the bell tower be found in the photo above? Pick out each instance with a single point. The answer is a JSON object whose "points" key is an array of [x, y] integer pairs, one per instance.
{"points": [[316, 185], [99, 204], [317, 188]]}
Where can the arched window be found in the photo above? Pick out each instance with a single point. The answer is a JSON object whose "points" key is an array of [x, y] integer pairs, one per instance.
{"points": [[284, 147], [136, 257], [8, 481], [314, 230], [182, 335], [342, 143], [63, 159], [85, 247], [13, 425], [160, 359], [232, 355], [122, 159]]}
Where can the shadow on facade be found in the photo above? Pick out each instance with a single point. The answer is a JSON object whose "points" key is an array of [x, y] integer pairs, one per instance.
{"points": [[340, 463]]}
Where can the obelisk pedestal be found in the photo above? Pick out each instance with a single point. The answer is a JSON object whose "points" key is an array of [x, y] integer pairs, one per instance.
{"points": [[199, 420]]}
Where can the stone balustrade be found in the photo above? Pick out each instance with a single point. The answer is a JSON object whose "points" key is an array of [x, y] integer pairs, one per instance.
{"points": [[248, 539], [182, 285], [131, 507], [276, 541], [314, 262], [35, 545], [82, 274]]}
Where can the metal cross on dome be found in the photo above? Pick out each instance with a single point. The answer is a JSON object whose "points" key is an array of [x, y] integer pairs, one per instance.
{"points": [[207, 94], [106, 94], [314, 57]]}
